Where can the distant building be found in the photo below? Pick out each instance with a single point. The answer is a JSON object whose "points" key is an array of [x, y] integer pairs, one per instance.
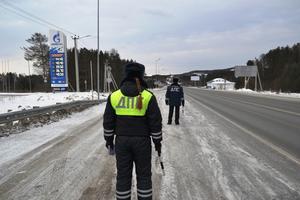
{"points": [[220, 84]]}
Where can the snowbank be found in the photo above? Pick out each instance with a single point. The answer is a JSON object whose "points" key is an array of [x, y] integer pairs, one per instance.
{"points": [[16, 102], [267, 93], [15, 145], [281, 94]]}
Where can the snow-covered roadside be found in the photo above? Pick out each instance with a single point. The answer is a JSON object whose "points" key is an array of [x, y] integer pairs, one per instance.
{"points": [[16, 145], [17, 102], [269, 93], [261, 93]]}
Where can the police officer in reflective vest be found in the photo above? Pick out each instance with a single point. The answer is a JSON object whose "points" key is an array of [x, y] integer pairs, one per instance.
{"points": [[174, 98], [133, 116]]}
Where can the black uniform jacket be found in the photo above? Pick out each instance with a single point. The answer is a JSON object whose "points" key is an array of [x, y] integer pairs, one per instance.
{"points": [[148, 125]]}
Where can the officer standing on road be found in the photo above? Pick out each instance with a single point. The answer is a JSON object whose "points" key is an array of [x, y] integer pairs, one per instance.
{"points": [[174, 98], [133, 115]]}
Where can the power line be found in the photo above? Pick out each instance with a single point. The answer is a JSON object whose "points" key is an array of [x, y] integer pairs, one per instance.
{"points": [[36, 18], [32, 16], [21, 15], [82, 43]]}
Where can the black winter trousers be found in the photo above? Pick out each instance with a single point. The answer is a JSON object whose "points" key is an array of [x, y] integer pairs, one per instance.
{"points": [[171, 110], [135, 150]]}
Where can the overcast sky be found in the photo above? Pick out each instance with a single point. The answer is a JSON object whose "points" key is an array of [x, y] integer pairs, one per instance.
{"points": [[185, 35]]}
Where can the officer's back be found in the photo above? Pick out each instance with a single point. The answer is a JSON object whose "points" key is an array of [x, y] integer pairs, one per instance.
{"points": [[174, 94], [131, 125], [132, 115]]}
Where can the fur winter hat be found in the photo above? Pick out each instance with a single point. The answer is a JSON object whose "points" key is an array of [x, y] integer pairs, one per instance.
{"points": [[134, 70], [175, 80]]}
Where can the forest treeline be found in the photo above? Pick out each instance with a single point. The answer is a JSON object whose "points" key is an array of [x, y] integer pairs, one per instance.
{"points": [[12, 82], [279, 70]]}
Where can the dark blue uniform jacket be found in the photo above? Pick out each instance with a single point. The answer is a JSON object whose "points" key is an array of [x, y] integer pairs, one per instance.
{"points": [[174, 95]]}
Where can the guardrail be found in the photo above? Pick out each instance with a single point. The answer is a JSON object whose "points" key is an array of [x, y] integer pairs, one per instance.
{"points": [[31, 113]]}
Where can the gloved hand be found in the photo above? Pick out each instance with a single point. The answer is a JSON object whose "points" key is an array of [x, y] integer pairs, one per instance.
{"points": [[109, 144], [158, 147], [182, 103], [167, 102], [110, 147]]}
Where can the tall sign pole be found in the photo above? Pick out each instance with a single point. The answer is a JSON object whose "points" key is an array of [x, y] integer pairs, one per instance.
{"points": [[75, 38], [105, 87], [29, 76], [58, 60], [92, 81], [3, 74], [98, 52], [8, 77]]}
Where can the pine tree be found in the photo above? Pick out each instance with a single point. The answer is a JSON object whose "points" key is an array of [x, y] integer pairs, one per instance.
{"points": [[38, 52]]}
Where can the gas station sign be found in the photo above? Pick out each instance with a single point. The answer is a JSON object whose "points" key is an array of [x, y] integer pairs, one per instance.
{"points": [[58, 60]]}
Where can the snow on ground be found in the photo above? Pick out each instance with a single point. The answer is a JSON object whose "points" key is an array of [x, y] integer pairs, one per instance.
{"points": [[262, 93], [270, 93], [19, 101], [267, 93], [17, 144]]}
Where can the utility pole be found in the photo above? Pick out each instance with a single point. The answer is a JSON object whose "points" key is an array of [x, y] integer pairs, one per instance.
{"points": [[91, 69], [255, 83], [98, 62], [5, 75], [92, 81], [105, 87], [156, 63], [75, 38], [8, 76], [29, 76], [85, 85], [2, 76], [14, 83], [261, 88]]}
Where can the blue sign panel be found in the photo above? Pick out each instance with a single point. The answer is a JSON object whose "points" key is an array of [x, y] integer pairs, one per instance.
{"points": [[58, 70]]}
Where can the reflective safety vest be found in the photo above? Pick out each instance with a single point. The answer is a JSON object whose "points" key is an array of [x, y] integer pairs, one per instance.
{"points": [[124, 105]]}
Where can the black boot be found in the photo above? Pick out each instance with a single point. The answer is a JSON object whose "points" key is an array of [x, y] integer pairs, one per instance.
{"points": [[177, 115], [171, 109]]}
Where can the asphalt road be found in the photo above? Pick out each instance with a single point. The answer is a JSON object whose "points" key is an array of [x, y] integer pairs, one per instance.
{"points": [[274, 120]]}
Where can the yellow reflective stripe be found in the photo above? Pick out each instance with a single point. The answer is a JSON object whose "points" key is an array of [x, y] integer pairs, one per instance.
{"points": [[124, 105]]}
